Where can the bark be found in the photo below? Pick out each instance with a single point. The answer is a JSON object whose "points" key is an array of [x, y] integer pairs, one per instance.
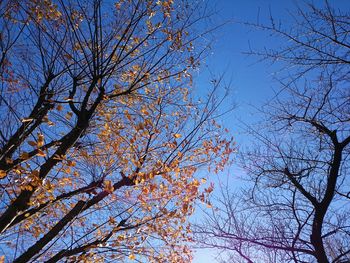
{"points": [[33, 250], [21, 202], [32, 211], [76, 210], [321, 210], [40, 109]]}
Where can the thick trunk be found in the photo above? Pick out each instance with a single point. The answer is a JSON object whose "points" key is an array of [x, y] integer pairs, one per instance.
{"points": [[40, 109], [75, 211], [33, 250], [20, 204], [316, 239], [322, 208], [28, 213]]}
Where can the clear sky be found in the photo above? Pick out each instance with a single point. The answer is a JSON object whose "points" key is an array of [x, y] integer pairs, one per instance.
{"points": [[251, 83]]}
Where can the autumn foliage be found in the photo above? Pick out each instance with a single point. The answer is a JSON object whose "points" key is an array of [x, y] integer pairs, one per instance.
{"points": [[100, 137]]}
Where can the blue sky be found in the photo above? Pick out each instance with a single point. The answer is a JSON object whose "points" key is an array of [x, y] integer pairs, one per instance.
{"points": [[251, 83]]}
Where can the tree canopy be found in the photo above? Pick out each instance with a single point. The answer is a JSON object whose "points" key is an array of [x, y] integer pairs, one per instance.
{"points": [[100, 136]]}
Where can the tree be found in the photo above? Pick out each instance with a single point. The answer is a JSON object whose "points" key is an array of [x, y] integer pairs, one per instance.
{"points": [[295, 205], [100, 137]]}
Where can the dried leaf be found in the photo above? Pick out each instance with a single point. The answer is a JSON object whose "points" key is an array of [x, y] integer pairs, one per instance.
{"points": [[2, 175], [177, 135], [24, 155], [41, 153], [32, 143], [109, 186], [40, 140], [69, 115], [27, 119]]}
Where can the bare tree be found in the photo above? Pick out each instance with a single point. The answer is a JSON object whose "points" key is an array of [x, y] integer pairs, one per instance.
{"points": [[295, 206]]}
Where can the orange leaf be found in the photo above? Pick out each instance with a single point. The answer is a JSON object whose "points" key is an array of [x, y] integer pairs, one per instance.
{"points": [[109, 186], [177, 135], [9, 160], [41, 153], [69, 115], [24, 155], [32, 143], [40, 140], [2, 175], [71, 163], [27, 119]]}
